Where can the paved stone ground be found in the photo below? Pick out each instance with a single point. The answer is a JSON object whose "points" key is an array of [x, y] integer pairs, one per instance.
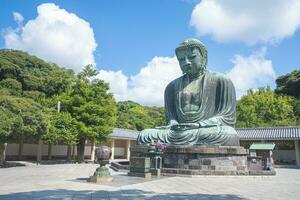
{"points": [[68, 181]]}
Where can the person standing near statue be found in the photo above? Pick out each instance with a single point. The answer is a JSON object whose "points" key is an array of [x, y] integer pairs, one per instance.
{"points": [[200, 105]]}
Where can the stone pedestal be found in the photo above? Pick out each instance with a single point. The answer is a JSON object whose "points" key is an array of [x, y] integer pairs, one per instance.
{"points": [[139, 166], [205, 160], [198, 159], [96, 179], [101, 174]]}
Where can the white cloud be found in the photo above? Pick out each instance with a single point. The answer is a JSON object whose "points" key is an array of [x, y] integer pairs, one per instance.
{"points": [[18, 18], [251, 22], [56, 36], [251, 72], [147, 87]]}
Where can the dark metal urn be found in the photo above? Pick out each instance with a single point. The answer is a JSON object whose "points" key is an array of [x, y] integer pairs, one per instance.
{"points": [[102, 173], [103, 155]]}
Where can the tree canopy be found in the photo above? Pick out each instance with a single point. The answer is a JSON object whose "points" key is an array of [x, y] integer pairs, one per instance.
{"points": [[134, 116], [21, 116], [264, 108], [21, 72], [289, 84]]}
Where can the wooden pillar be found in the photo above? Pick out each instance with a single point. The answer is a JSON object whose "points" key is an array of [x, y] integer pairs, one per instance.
{"points": [[297, 150], [69, 153], [49, 151], [2, 153], [128, 149], [74, 152], [39, 151], [112, 145]]}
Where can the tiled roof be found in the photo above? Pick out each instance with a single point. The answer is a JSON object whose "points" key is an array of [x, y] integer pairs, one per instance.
{"points": [[273, 133], [119, 133]]}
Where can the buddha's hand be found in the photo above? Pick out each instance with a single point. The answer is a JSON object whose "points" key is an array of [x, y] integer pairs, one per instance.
{"points": [[172, 123], [185, 126]]}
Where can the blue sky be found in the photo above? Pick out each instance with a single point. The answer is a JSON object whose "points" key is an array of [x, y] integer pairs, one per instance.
{"points": [[133, 41]]}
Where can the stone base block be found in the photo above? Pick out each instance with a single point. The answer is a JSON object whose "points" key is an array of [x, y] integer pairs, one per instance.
{"points": [[96, 179], [137, 174], [155, 172], [188, 172], [205, 160]]}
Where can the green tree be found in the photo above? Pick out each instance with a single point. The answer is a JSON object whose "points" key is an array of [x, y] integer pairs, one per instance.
{"points": [[94, 110], [87, 72], [263, 108], [9, 122], [63, 129], [12, 85], [24, 118], [134, 116], [289, 84], [32, 74]]}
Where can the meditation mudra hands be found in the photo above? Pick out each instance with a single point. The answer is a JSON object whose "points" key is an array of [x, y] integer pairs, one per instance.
{"points": [[175, 126]]}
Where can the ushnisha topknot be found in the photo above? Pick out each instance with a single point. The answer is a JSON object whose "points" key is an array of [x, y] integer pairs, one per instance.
{"points": [[192, 42]]}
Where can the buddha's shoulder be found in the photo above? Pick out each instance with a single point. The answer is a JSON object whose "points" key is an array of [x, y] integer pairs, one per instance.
{"points": [[217, 75], [175, 81]]}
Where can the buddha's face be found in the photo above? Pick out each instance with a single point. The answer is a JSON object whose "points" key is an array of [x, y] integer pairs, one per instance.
{"points": [[190, 60]]}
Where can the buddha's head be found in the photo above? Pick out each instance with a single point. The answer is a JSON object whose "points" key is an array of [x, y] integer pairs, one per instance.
{"points": [[192, 57]]}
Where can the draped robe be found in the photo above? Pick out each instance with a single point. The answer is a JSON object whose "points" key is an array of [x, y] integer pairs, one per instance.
{"points": [[216, 113]]}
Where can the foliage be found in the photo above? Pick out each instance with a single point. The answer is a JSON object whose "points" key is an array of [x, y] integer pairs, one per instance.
{"points": [[289, 84], [264, 108], [12, 85], [32, 74], [93, 108], [134, 116], [87, 72], [62, 128], [8, 123], [21, 116]]}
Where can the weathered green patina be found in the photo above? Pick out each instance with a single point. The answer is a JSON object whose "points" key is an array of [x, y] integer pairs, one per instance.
{"points": [[200, 105]]}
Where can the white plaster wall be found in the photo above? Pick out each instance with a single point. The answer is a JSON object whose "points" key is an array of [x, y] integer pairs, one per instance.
{"points": [[12, 149], [119, 151], [87, 150], [28, 149], [31, 150]]}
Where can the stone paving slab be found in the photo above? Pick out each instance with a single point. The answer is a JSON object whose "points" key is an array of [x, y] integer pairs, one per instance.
{"points": [[67, 181]]}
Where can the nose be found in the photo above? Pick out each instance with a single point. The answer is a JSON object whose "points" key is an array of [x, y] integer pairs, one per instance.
{"points": [[186, 61]]}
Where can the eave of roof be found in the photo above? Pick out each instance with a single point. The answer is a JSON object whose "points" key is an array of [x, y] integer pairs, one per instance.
{"points": [[271, 133], [125, 134]]}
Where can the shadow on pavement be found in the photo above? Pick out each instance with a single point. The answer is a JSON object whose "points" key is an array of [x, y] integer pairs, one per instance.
{"points": [[122, 194], [120, 180], [12, 164]]}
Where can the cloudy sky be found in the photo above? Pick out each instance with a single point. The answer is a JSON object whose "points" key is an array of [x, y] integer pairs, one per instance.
{"points": [[132, 43]]}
